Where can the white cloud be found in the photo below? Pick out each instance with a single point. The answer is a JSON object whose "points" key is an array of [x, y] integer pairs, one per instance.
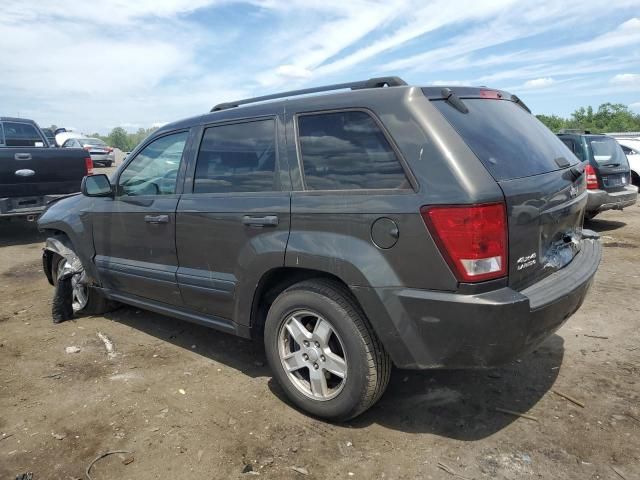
{"points": [[626, 79], [293, 71], [635, 106], [539, 82]]}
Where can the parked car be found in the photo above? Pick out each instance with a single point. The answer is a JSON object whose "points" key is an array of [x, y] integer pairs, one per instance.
{"points": [[31, 173], [631, 148], [101, 154], [608, 175], [352, 231]]}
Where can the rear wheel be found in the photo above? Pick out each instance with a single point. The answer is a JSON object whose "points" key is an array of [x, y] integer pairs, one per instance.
{"points": [[590, 215], [323, 352], [84, 300]]}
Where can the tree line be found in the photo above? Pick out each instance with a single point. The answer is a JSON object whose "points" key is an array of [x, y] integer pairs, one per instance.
{"points": [[125, 141], [609, 117]]}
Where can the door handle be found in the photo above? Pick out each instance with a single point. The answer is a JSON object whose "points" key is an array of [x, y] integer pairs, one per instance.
{"points": [[266, 221], [156, 218], [22, 156]]}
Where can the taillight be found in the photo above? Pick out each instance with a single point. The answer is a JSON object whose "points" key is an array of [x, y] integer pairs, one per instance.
{"points": [[87, 149], [88, 163], [592, 179], [472, 238]]}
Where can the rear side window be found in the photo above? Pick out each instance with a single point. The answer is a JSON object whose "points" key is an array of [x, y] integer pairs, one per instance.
{"points": [[510, 142], [21, 135], [347, 151], [237, 158]]}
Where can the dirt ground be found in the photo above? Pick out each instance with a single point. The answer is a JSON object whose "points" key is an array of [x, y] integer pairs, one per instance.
{"points": [[194, 403]]}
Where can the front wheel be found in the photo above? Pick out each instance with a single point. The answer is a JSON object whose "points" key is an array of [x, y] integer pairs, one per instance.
{"points": [[84, 300], [323, 351]]}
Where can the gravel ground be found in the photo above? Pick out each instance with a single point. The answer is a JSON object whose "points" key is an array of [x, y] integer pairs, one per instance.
{"points": [[194, 403]]}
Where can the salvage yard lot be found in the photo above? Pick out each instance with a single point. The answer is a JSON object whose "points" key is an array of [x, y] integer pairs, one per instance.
{"points": [[191, 402]]}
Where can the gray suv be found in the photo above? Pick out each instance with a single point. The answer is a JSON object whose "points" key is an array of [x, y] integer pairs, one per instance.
{"points": [[381, 225]]}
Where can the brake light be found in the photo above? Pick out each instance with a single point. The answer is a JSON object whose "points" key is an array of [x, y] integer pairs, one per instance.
{"points": [[592, 179], [88, 163], [472, 238], [490, 94]]}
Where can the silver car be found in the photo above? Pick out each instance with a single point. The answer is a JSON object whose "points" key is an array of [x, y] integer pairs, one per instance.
{"points": [[101, 154]]}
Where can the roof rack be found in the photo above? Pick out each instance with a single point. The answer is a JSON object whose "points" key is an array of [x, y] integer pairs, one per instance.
{"points": [[378, 82]]}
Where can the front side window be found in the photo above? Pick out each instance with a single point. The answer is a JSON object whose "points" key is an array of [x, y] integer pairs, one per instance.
{"points": [[347, 151], [22, 135], [154, 170], [239, 157]]}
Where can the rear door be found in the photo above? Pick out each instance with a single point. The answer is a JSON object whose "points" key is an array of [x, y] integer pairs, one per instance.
{"points": [[233, 219], [542, 182], [134, 232], [609, 161]]}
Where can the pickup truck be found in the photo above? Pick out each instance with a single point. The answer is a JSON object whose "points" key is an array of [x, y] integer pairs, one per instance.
{"points": [[32, 173]]}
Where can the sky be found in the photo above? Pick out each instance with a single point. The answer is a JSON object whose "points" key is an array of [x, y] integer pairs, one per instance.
{"points": [[139, 63]]}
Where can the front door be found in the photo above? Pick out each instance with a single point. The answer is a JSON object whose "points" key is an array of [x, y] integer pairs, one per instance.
{"points": [[233, 218], [134, 233]]}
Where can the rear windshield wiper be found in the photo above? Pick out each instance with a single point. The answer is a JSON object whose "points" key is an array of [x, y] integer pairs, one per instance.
{"points": [[453, 100], [613, 164]]}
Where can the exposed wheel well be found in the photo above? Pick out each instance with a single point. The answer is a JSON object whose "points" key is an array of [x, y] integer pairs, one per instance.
{"points": [[635, 178], [273, 283]]}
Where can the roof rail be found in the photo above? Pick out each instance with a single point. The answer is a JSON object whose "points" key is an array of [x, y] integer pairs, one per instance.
{"points": [[378, 82]]}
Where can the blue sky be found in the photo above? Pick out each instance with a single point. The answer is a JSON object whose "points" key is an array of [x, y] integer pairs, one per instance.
{"points": [[95, 65]]}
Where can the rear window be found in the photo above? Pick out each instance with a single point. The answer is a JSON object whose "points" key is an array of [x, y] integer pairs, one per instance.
{"points": [[606, 151], [347, 151], [21, 135], [510, 142], [92, 141]]}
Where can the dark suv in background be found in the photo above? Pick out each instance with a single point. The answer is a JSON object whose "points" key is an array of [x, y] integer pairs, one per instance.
{"points": [[609, 182], [352, 231]]}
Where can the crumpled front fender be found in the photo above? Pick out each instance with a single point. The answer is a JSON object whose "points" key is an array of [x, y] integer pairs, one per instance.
{"points": [[59, 245]]}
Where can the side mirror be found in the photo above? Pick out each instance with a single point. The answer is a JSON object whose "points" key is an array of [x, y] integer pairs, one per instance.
{"points": [[96, 186]]}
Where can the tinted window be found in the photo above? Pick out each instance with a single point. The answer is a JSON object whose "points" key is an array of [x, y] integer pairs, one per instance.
{"points": [[510, 142], [606, 151], [237, 158], [21, 135], [1, 135], [346, 151], [154, 170]]}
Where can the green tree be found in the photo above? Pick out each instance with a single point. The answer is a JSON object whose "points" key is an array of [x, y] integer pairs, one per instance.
{"points": [[553, 122], [609, 117], [119, 138]]}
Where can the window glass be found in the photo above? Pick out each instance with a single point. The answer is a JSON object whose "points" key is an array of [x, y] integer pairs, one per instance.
{"points": [[1, 134], [509, 141], [22, 135], [237, 158], [606, 151], [347, 151], [154, 170]]}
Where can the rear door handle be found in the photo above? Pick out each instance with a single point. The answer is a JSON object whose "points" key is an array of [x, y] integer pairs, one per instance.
{"points": [[156, 218], [22, 156], [266, 221]]}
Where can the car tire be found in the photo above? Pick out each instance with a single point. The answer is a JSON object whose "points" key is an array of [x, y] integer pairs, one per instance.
{"points": [[590, 215], [91, 301], [344, 369], [108, 164]]}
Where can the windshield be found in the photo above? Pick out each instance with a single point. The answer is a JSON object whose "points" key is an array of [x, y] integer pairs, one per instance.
{"points": [[509, 141], [606, 151]]}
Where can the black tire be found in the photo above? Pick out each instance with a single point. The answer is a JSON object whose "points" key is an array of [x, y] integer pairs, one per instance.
{"points": [[96, 304], [590, 215], [368, 366]]}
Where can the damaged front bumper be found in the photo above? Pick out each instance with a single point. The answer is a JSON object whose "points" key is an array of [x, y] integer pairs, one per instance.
{"points": [[428, 329]]}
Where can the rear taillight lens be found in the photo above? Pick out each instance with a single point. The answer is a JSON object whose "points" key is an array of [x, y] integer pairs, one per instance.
{"points": [[88, 163], [472, 238], [592, 179]]}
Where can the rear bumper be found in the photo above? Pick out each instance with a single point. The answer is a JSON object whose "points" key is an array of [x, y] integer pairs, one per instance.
{"points": [[25, 206], [601, 200], [427, 329], [102, 159]]}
